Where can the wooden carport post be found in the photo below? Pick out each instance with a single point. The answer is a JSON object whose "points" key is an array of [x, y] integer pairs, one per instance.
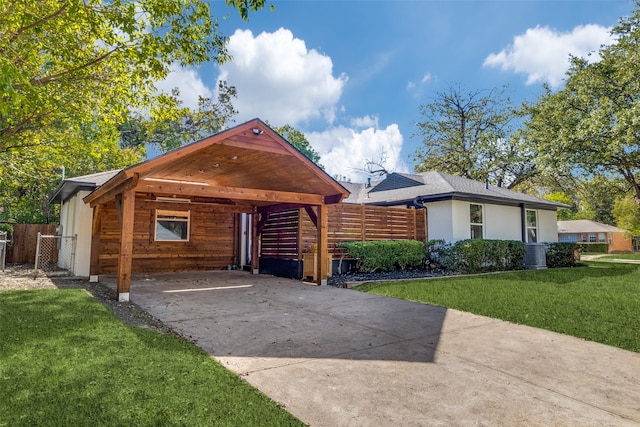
{"points": [[322, 236], [127, 210]]}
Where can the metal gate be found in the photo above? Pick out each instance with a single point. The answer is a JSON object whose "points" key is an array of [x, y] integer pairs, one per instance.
{"points": [[55, 254]]}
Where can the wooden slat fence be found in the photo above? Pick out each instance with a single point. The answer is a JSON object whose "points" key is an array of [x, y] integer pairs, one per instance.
{"points": [[25, 240], [281, 237]]}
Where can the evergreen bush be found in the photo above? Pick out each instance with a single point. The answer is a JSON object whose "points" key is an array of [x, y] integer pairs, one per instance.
{"points": [[386, 255]]}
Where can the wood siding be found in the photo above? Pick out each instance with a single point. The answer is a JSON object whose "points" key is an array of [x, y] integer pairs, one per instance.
{"points": [[346, 222], [213, 239]]}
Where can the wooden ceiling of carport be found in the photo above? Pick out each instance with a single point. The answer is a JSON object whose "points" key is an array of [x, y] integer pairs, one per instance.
{"points": [[248, 164]]}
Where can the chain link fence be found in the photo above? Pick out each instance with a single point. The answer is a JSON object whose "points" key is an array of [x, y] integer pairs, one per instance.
{"points": [[55, 254], [3, 248]]}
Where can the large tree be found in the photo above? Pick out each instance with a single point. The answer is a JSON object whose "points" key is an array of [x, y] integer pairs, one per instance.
{"points": [[591, 125], [70, 70], [298, 140], [65, 63], [186, 126], [474, 135]]}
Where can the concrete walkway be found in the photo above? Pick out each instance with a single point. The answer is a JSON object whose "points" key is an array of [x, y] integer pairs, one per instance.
{"points": [[339, 357]]}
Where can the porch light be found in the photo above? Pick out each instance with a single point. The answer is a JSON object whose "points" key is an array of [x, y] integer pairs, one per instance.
{"points": [[257, 131]]}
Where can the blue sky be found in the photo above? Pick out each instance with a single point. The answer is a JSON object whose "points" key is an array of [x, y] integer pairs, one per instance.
{"points": [[351, 75]]}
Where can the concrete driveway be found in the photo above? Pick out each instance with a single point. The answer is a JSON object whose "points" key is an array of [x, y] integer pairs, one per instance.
{"points": [[339, 357]]}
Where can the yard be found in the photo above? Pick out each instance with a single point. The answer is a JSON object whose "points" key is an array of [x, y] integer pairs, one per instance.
{"points": [[599, 302], [65, 359]]}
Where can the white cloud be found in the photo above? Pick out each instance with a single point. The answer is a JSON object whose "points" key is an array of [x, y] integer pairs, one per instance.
{"points": [[189, 82], [280, 80], [411, 85], [363, 122], [344, 151], [543, 53]]}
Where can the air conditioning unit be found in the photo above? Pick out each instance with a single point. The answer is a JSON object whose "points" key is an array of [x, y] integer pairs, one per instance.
{"points": [[535, 257]]}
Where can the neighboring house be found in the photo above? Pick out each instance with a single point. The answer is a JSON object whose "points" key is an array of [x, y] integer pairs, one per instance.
{"points": [[458, 208], [584, 230]]}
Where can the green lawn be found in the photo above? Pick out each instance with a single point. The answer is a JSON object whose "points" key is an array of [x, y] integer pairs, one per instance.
{"points": [[65, 360], [600, 302], [635, 257]]}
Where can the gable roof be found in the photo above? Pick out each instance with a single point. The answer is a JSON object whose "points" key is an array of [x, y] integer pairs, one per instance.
{"points": [[250, 163], [436, 186], [70, 186], [586, 226]]}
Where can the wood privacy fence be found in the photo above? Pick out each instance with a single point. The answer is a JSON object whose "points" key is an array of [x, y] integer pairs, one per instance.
{"points": [[289, 234], [25, 240]]}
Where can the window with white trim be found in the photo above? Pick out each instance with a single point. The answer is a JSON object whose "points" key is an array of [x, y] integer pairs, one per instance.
{"points": [[172, 226], [532, 225], [476, 220]]}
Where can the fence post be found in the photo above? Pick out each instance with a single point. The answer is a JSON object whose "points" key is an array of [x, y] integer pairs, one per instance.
{"points": [[3, 248], [38, 250]]}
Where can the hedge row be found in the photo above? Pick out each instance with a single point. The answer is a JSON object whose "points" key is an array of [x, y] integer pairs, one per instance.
{"points": [[465, 256], [476, 255], [386, 255], [563, 254], [595, 247]]}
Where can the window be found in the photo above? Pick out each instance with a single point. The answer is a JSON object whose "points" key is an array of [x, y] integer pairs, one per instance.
{"points": [[532, 226], [476, 220], [172, 225], [592, 237]]}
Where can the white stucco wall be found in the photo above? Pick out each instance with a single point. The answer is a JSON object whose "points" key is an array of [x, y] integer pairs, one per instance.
{"points": [[449, 220], [548, 225], [439, 221], [76, 219]]}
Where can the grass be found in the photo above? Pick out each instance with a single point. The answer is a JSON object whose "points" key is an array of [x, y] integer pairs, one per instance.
{"points": [[635, 257], [67, 360], [599, 302]]}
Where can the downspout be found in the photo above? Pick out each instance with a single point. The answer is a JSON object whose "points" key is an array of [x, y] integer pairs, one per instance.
{"points": [[523, 222], [418, 203]]}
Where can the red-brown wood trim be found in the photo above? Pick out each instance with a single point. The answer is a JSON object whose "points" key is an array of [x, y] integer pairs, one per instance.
{"points": [[126, 242], [323, 252]]}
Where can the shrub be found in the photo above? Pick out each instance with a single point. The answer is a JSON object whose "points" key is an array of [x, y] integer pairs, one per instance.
{"points": [[440, 255], [562, 254], [480, 255], [386, 255], [595, 247]]}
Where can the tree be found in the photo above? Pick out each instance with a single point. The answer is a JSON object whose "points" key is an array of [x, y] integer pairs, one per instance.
{"points": [[71, 70], [30, 177], [67, 63], [591, 125], [187, 126], [298, 140], [627, 214], [473, 135]]}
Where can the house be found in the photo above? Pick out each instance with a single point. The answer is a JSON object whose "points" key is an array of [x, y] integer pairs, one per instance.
{"points": [[182, 211], [458, 208], [584, 230]]}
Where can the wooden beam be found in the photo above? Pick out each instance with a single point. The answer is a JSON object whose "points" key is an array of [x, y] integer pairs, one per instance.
{"points": [[241, 208], [312, 215], [235, 193], [126, 245], [101, 196], [323, 250], [94, 260]]}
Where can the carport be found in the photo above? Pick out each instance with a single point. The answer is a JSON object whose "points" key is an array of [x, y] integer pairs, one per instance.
{"points": [[178, 212]]}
